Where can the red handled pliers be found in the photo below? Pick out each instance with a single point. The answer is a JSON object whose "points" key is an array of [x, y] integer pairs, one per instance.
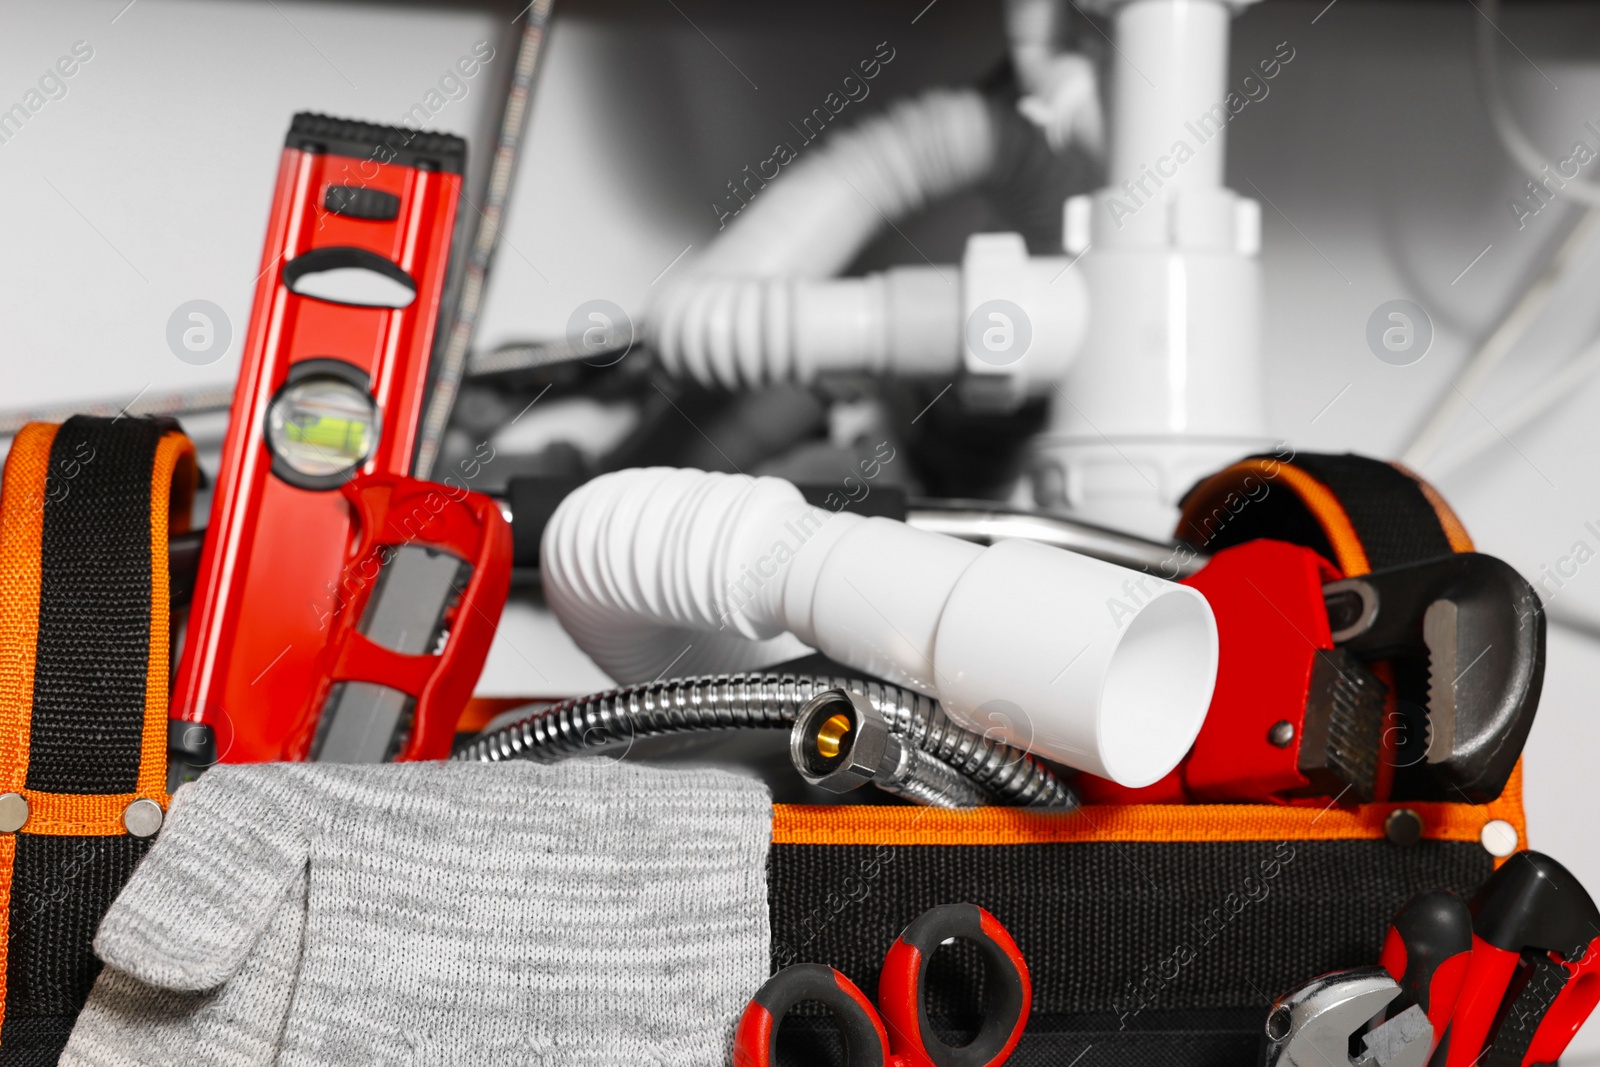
{"points": [[1534, 970], [897, 1032]]}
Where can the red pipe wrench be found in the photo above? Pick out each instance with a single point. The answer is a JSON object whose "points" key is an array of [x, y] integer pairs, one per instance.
{"points": [[1302, 704]]}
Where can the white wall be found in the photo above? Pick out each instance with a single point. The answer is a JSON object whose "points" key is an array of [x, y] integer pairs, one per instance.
{"points": [[147, 184]]}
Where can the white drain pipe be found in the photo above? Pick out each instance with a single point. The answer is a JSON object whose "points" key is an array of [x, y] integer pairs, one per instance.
{"points": [[1167, 387], [759, 306], [1099, 667], [1149, 347]]}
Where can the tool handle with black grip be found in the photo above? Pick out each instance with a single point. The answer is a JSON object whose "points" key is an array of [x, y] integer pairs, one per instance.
{"points": [[1532, 979], [1427, 951], [755, 1042], [1008, 995]]}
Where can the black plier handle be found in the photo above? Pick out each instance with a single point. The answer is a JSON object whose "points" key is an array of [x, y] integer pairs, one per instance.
{"points": [[1534, 976]]}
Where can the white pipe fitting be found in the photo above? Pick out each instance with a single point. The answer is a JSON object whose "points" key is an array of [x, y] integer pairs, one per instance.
{"points": [[1023, 317], [1168, 386], [753, 308], [1080, 661], [1012, 322]]}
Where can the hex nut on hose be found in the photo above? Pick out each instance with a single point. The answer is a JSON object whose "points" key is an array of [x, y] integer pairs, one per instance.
{"points": [[840, 741]]}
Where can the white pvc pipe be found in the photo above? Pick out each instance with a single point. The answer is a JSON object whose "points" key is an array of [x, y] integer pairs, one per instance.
{"points": [[1171, 69], [1099, 667]]}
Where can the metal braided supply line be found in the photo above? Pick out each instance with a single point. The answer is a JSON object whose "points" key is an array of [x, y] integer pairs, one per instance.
{"points": [[922, 779], [604, 721]]}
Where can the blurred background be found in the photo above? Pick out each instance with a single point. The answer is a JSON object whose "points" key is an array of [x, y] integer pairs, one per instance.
{"points": [[142, 181]]}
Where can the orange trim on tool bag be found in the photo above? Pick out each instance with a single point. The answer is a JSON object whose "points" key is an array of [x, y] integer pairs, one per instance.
{"points": [[1351, 557], [77, 815], [863, 824], [1454, 531], [8, 857], [21, 534], [21, 574], [22, 504], [172, 484], [481, 711]]}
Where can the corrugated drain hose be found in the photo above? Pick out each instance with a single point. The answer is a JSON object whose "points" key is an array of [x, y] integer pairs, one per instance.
{"points": [[609, 723]]}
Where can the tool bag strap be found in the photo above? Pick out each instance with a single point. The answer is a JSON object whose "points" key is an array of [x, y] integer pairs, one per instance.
{"points": [[1363, 514], [85, 512]]}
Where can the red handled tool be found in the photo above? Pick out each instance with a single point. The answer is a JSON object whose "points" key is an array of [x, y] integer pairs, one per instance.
{"points": [[1291, 714], [1503, 982], [414, 616], [1535, 970], [897, 1033], [1427, 950], [1300, 707], [334, 368]]}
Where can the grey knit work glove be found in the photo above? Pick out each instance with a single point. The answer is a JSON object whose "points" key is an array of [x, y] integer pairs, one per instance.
{"points": [[438, 914], [239, 1024]]}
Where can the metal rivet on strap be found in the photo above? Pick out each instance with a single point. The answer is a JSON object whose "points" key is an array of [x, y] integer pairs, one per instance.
{"points": [[1403, 827], [13, 812], [142, 817], [1499, 838]]}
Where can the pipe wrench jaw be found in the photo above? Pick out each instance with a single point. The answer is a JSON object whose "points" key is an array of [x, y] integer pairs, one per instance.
{"points": [[1342, 728], [1313, 1025], [1479, 629]]}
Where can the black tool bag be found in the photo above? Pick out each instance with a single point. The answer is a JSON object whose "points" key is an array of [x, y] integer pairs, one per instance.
{"points": [[1157, 935]]}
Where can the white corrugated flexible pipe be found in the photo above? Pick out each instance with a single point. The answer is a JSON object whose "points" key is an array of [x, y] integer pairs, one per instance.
{"points": [[823, 209], [760, 331], [1102, 668], [753, 308]]}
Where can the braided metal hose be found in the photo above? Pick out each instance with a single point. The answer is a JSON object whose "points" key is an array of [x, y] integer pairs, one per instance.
{"points": [[1010, 774], [924, 780], [606, 722]]}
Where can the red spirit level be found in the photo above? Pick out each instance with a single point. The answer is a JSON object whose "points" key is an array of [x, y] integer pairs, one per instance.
{"points": [[289, 637]]}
